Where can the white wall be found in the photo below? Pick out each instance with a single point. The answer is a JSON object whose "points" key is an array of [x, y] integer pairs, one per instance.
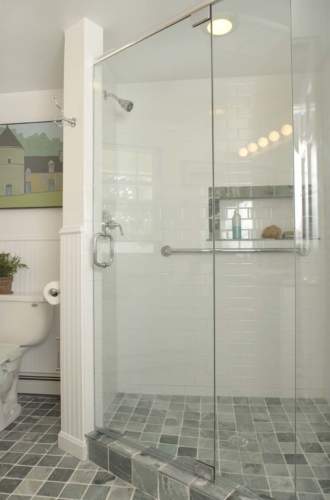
{"points": [[155, 182], [311, 285], [165, 336], [310, 64], [33, 233], [324, 138]]}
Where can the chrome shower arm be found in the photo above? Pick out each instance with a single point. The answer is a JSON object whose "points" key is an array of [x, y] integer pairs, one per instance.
{"points": [[123, 103], [108, 94]]}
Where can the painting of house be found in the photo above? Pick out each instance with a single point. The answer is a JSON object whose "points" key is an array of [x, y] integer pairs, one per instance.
{"points": [[31, 165], [11, 164]]}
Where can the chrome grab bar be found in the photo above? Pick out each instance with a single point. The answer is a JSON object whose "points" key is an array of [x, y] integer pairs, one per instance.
{"points": [[302, 250], [96, 262]]}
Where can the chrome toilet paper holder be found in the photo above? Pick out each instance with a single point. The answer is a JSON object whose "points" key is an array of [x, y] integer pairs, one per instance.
{"points": [[54, 292]]}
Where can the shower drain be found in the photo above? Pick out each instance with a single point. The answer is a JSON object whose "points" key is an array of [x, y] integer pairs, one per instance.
{"points": [[238, 441]]}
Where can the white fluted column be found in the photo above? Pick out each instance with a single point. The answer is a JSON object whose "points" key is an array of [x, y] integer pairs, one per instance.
{"points": [[83, 44]]}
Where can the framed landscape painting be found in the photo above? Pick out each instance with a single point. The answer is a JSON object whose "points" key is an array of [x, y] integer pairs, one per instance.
{"points": [[31, 165]]}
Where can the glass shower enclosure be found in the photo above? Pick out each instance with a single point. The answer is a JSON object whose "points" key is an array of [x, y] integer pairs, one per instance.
{"points": [[152, 194], [196, 336]]}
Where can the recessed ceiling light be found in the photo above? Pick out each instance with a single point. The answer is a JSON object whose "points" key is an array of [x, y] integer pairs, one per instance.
{"points": [[243, 152], [286, 129], [220, 27], [263, 142], [218, 112], [252, 147], [274, 136]]}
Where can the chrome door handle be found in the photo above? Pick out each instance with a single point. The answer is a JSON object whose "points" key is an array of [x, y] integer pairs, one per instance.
{"points": [[96, 262]]}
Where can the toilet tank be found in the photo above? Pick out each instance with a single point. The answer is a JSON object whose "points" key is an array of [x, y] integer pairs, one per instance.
{"points": [[25, 320]]}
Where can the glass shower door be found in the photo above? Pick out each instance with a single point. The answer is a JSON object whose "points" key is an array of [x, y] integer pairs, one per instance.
{"points": [[255, 277], [154, 314]]}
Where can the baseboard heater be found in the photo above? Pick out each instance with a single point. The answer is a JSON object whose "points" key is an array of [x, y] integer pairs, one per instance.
{"points": [[40, 377], [39, 383]]}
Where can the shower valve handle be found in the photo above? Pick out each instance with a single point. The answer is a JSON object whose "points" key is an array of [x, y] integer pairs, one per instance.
{"points": [[112, 224]]}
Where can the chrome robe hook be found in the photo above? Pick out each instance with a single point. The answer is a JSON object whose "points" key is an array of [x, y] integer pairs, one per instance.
{"points": [[72, 121]]}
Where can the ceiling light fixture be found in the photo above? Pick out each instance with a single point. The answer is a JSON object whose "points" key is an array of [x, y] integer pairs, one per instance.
{"points": [[274, 136], [220, 27], [243, 152], [286, 129], [252, 147], [218, 112], [263, 142]]}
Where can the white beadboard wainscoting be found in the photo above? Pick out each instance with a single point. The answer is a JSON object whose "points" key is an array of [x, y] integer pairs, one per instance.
{"points": [[42, 255], [71, 436]]}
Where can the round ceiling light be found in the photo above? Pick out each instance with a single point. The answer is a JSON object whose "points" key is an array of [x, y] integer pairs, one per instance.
{"points": [[220, 27], [274, 136], [252, 147], [243, 152], [263, 142], [218, 112], [286, 129]]}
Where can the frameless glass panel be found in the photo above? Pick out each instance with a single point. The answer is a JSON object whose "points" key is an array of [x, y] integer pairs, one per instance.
{"points": [[255, 279], [311, 100], [154, 303]]}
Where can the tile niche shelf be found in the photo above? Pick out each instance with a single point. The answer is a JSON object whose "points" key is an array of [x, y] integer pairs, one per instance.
{"points": [[228, 195], [251, 192]]}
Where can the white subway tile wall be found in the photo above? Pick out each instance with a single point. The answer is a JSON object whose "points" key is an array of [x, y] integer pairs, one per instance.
{"points": [[255, 216], [311, 282], [324, 276], [156, 174]]}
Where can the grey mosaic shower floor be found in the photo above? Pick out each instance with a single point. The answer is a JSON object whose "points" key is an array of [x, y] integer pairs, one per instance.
{"points": [[183, 426], [33, 467]]}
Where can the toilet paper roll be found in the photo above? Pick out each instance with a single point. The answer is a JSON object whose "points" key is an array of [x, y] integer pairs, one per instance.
{"points": [[50, 298]]}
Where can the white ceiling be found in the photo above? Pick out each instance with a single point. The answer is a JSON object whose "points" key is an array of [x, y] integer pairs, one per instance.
{"points": [[259, 44], [32, 34], [32, 38]]}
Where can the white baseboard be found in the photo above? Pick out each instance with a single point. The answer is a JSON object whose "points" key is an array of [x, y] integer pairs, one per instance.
{"points": [[39, 387], [72, 445]]}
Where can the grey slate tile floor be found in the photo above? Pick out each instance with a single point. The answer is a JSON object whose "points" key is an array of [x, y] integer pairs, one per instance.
{"points": [[182, 426], [33, 467]]}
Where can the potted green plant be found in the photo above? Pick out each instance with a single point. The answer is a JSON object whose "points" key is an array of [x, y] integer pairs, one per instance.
{"points": [[9, 265]]}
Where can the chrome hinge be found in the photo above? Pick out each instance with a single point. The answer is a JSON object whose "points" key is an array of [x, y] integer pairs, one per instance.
{"points": [[201, 16]]}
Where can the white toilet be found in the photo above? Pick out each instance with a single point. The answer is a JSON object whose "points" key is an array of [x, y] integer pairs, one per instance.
{"points": [[25, 321]]}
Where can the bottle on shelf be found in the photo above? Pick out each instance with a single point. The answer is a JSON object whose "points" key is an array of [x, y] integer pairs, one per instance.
{"points": [[237, 225]]}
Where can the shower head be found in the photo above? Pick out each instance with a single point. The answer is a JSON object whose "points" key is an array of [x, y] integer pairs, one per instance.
{"points": [[126, 105]]}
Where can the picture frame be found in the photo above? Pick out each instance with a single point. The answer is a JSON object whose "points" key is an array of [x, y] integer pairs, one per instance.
{"points": [[31, 165]]}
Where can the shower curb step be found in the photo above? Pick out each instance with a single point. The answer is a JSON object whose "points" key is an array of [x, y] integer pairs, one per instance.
{"points": [[156, 475]]}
